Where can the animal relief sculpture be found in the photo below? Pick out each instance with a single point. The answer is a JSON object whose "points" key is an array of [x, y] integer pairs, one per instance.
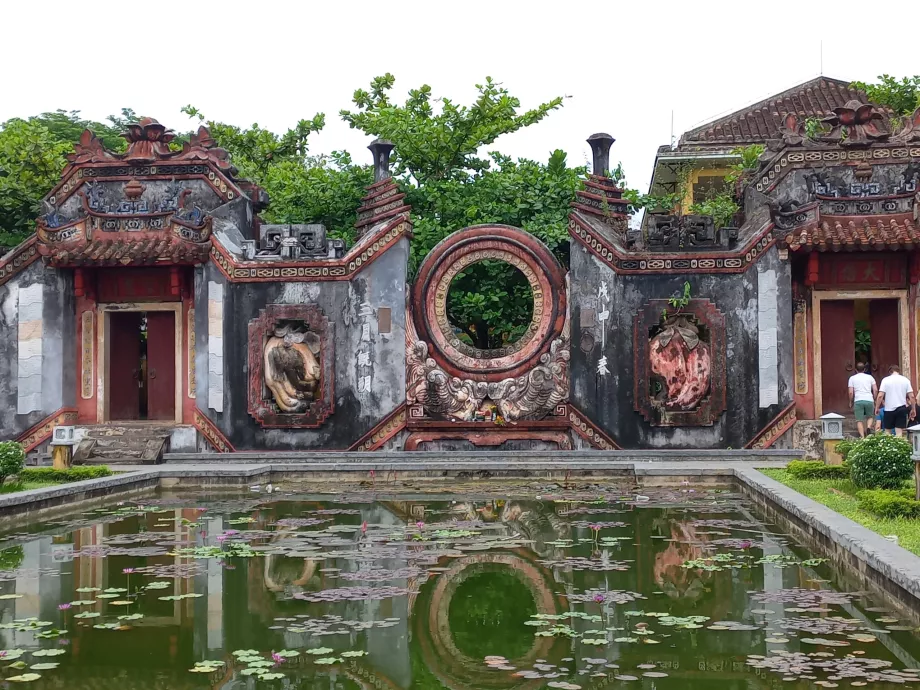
{"points": [[292, 371], [683, 361]]}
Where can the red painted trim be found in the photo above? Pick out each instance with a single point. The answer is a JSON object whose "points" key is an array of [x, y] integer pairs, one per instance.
{"points": [[386, 429], [18, 258], [778, 426], [213, 435], [33, 437]]}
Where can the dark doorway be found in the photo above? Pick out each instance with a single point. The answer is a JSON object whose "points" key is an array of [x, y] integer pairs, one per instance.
{"points": [[142, 366], [852, 331]]}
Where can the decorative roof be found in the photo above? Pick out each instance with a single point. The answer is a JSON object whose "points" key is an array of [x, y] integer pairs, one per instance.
{"points": [[764, 120], [854, 233], [128, 251]]}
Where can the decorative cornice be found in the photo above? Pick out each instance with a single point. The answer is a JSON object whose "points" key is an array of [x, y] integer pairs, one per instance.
{"points": [[365, 252], [779, 425], [789, 159], [18, 259], [212, 434], [685, 262], [388, 427], [41, 432]]}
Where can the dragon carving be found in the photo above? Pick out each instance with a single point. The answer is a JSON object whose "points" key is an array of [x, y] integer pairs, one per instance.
{"points": [[530, 396]]}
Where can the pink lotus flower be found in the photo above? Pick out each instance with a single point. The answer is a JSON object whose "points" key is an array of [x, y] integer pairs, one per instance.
{"points": [[63, 607], [599, 598], [420, 525], [364, 527], [277, 658], [128, 571]]}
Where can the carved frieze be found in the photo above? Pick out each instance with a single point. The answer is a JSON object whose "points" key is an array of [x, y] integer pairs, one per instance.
{"points": [[680, 363], [293, 243], [530, 396], [291, 366], [672, 233]]}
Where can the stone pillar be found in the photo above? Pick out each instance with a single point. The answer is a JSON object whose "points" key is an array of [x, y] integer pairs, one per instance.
{"points": [[600, 144], [831, 435], [381, 149]]}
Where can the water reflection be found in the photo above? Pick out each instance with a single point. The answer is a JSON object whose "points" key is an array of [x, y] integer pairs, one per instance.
{"points": [[469, 579]]}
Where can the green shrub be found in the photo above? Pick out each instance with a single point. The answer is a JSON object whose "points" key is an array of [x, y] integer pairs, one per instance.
{"points": [[11, 558], [815, 469], [844, 447], [74, 474], [12, 459], [880, 461], [889, 504]]}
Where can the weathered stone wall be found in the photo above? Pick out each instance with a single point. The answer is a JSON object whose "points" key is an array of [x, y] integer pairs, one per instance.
{"points": [[758, 324], [369, 366], [37, 351]]}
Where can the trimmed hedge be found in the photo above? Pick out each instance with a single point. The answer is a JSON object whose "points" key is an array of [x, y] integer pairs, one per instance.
{"points": [[844, 447], [74, 474], [880, 461], [889, 504], [815, 469]]}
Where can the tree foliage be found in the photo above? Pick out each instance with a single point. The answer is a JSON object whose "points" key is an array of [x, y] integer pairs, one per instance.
{"points": [[903, 96]]}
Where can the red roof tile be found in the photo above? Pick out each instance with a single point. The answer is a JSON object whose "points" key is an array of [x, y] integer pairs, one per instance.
{"points": [[855, 234], [763, 121], [126, 252]]}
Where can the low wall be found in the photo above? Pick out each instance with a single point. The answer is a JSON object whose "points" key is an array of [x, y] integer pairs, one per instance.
{"points": [[859, 554]]}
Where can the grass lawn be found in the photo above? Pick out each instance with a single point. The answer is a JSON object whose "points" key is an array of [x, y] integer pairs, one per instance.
{"points": [[840, 495]]}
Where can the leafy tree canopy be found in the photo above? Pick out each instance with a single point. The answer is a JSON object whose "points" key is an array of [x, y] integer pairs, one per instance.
{"points": [[903, 96]]}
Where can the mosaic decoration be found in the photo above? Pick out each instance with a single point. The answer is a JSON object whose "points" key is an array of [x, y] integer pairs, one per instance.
{"points": [[585, 428], [212, 434], [680, 364], [429, 302], [291, 366], [42, 431], [624, 263], [87, 351], [774, 430], [383, 432], [366, 251]]}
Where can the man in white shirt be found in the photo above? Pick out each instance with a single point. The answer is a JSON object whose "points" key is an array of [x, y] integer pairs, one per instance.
{"points": [[897, 396], [863, 390]]}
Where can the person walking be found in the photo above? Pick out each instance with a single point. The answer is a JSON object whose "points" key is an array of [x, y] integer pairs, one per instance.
{"points": [[863, 392], [896, 395]]}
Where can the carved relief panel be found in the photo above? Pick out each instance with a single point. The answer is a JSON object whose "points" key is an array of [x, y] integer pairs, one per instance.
{"points": [[680, 363], [291, 366]]}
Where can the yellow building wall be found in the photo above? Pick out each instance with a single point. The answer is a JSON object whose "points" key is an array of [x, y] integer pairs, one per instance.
{"points": [[693, 178]]}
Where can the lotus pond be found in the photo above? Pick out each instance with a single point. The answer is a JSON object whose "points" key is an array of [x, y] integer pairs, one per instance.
{"points": [[528, 586]]}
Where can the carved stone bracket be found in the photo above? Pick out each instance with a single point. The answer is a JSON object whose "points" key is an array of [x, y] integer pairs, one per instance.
{"points": [[263, 406], [684, 354]]}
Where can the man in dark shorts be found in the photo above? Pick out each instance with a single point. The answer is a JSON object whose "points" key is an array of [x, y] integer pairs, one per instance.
{"points": [[896, 395]]}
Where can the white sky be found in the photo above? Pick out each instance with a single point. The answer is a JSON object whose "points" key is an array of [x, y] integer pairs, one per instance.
{"points": [[625, 66]]}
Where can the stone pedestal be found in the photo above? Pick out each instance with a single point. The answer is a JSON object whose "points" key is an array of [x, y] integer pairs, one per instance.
{"points": [[62, 456]]}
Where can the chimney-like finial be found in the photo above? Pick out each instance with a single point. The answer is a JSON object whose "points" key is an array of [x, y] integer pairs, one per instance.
{"points": [[381, 149], [600, 144]]}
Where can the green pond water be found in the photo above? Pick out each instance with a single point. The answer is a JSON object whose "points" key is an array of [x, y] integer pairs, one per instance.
{"points": [[527, 586]]}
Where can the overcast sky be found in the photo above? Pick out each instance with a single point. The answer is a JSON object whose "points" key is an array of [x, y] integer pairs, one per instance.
{"points": [[624, 66]]}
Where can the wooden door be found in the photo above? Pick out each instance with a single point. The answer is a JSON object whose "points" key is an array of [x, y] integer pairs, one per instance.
{"points": [[124, 365], [838, 350], [161, 365], [886, 336]]}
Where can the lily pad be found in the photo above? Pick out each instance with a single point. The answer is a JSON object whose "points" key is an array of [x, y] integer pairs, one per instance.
{"points": [[24, 678]]}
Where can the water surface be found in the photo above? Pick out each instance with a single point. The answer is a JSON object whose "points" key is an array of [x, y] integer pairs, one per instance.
{"points": [[524, 587]]}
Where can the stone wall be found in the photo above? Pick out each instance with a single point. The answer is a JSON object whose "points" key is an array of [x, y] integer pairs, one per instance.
{"points": [[37, 348], [758, 348], [368, 367]]}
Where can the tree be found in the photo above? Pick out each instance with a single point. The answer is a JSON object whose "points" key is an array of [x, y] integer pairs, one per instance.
{"points": [[33, 153], [440, 144], [903, 96]]}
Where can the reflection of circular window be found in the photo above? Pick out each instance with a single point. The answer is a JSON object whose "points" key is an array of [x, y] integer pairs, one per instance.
{"points": [[490, 307], [489, 612]]}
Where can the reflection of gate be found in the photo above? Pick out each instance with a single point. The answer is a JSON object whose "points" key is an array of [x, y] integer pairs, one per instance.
{"points": [[458, 392]]}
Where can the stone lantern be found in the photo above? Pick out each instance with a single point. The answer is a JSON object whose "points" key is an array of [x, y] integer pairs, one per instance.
{"points": [[832, 434], [913, 433], [62, 443]]}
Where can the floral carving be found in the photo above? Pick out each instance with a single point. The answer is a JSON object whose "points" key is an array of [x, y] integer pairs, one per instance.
{"points": [[682, 360], [854, 124], [148, 140], [530, 396]]}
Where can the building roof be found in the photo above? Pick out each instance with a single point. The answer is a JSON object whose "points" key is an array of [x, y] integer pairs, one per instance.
{"points": [[126, 251], [856, 234], [761, 121]]}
